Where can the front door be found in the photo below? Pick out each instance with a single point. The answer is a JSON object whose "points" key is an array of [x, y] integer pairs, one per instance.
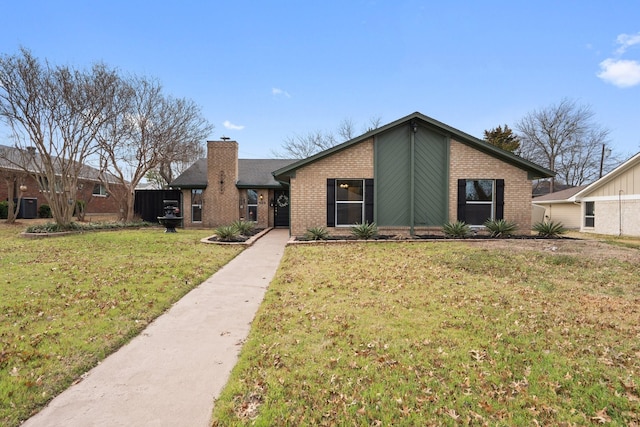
{"points": [[281, 208]]}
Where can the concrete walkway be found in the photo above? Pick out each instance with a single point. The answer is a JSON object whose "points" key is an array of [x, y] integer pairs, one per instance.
{"points": [[171, 373]]}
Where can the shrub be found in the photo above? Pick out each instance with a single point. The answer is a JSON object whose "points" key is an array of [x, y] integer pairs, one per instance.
{"points": [[500, 227], [458, 229], [4, 210], [365, 231], [316, 233], [44, 211], [227, 233], [549, 229], [244, 227]]}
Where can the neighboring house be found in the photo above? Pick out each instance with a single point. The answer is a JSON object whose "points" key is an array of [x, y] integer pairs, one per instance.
{"points": [[610, 205], [557, 208], [90, 189], [411, 175]]}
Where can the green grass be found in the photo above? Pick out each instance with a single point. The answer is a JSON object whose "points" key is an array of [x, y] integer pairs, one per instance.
{"points": [[440, 334], [68, 302]]}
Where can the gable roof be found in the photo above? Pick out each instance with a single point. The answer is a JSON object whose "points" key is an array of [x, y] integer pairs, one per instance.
{"points": [[12, 158], [624, 167], [252, 173], [535, 171], [561, 196]]}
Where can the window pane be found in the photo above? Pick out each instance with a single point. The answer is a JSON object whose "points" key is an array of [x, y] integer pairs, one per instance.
{"points": [[196, 197], [349, 213], [252, 197], [252, 212], [479, 190], [589, 222], [196, 213], [589, 208], [477, 214], [349, 190]]}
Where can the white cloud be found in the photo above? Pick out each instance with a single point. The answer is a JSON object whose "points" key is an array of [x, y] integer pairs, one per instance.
{"points": [[620, 72], [279, 92], [227, 124], [626, 41]]}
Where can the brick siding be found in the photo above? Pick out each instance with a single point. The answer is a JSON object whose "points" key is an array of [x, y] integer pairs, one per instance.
{"points": [[468, 163]]}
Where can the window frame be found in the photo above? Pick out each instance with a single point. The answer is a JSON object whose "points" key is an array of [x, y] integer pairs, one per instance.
{"points": [[491, 203], [252, 206], [102, 190], [194, 206], [339, 182], [589, 214]]}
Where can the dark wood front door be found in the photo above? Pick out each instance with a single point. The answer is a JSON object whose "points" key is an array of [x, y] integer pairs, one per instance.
{"points": [[281, 208]]}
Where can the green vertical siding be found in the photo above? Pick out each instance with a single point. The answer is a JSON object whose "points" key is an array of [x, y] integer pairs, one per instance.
{"points": [[431, 171], [393, 158]]}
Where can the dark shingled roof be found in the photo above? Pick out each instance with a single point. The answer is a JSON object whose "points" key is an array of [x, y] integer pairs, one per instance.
{"points": [[258, 172], [252, 173], [194, 177]]}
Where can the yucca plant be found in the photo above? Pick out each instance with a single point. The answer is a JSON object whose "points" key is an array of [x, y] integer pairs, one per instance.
{"points": [[316, 233], [365, 231], [500, 227], [227, 233], [244, 227], [549, 229], [458, 229]]}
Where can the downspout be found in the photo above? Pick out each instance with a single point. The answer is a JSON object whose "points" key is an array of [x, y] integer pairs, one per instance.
{"points": [[620, 212], [414, 130]]}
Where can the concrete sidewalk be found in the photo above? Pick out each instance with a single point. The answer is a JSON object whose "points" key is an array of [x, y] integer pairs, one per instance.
{"points": [[170, 374]]}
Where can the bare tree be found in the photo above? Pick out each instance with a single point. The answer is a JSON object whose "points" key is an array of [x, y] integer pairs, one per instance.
{"points": [[54, 114], [148, 131], [565, 139], [303, 146]]}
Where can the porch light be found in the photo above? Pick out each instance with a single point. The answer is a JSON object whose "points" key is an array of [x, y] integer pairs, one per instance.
{"points": [[261, 197], [23, 188], [414, 126]]}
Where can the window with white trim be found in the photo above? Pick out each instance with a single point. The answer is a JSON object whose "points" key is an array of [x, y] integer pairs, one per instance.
{"points": [[349, 202], [480, 201], [196, 205], [99, 190], [252, 205], [590, 214]]}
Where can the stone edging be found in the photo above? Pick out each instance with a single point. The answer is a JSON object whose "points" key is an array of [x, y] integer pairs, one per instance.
{"points": [[246, 243]]}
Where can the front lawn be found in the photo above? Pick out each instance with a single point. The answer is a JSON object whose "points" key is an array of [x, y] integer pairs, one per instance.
{"points": [[68, 302], [441, 333]]}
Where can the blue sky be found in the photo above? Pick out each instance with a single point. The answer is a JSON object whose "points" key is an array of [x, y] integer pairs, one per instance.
{"points": [[263, 71]]}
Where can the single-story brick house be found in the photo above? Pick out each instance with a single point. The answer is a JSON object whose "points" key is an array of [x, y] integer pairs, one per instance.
{"points": [[410, 175], [90, 189], [610, 205]]}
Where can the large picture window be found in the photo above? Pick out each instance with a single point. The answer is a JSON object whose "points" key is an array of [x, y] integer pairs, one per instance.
{"points": [[480, 200], [196, 205], [349, 201], [590, 214]]}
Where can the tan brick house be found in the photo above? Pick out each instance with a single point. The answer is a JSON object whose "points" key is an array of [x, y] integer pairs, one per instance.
{"points": [[410, 175]]}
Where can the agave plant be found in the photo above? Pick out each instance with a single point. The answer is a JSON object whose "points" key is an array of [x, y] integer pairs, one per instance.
{"points": [[500, 227], [227, 233], [365, 231], [549, 229], [244, 227], [316, 233], [458, 229]]}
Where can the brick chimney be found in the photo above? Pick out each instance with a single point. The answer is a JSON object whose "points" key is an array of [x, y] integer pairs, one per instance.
{"points": [[221, 196]]}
